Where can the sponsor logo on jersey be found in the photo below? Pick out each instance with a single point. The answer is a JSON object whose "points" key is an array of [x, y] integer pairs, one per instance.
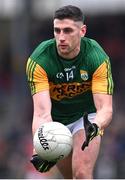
{"points": [[67, 74], [70, 90], [84, 75], [60, 75]]}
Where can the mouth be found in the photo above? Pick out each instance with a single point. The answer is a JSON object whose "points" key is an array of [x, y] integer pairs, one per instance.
{"points": [[63, 46]]}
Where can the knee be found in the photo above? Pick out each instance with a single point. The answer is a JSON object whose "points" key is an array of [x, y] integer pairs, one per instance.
{"points": [[83, 173]]}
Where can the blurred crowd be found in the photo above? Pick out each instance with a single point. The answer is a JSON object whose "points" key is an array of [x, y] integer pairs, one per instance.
{"points": [[16, 103]]}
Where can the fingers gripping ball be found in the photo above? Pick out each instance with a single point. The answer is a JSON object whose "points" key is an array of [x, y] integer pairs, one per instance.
{"points": [[52, 141]]}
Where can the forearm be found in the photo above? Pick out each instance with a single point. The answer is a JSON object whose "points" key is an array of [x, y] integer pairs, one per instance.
{"points": [[103, 117], [40, 119], [42, 109], [37, 121]]}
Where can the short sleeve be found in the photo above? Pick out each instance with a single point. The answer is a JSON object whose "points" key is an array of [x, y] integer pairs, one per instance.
{"points": [[102, 79], [36, 76]]}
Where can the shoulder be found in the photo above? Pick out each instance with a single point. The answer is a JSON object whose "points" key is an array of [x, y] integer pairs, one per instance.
{"points": [[94, 53], [92, 45], [43, 50]]}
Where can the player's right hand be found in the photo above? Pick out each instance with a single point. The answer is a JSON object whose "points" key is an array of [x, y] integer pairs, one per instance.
{"points": [[40, 164]]}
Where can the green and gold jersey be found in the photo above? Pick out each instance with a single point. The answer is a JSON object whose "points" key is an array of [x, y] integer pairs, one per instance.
{"points": [[71, 82]]}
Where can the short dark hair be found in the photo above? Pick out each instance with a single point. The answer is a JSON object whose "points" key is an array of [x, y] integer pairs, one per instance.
{"points": [[69, 12]]}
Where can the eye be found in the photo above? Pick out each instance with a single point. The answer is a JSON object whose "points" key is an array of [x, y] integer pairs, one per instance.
{"points": [[57, 30], [67, 30]]}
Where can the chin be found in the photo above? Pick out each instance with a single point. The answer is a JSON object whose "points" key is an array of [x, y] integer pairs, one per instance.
{"points": [[63, 51], [64, 54]]}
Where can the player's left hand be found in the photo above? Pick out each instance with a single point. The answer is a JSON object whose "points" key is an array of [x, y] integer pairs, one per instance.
{"points": [[40, 164], [91, 130]]}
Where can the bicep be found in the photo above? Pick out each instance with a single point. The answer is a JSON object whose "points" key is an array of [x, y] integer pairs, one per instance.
{"points": [[42, 109], [102, 101], [39, 85], [102, 86], [42, 103]]}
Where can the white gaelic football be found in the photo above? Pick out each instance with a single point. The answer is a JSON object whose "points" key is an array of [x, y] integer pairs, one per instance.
{"points": [[52, 141]]}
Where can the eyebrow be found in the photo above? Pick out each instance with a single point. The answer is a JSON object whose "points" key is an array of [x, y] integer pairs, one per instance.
{"points": [[66, 29]]}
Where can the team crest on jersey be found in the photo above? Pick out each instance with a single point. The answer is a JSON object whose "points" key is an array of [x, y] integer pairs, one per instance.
{"points": [[84, 75]]}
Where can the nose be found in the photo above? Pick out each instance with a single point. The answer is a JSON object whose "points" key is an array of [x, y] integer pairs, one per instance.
{"points": [[62, 36]]}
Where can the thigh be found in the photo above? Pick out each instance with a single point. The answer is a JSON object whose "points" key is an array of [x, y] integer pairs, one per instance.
{"points": [[84, 161], [65, 167]]}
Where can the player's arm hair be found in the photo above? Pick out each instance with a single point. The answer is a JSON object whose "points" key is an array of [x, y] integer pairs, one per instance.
{"points": [[103, 103], [42, 109]]}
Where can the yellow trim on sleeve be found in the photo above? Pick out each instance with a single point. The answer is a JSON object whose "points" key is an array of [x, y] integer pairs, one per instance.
{"points": [[40, 79], [37, 77], [100, 80]]}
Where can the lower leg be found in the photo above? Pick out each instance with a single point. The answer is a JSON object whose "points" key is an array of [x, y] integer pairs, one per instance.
{"points": [[83, 162], [65, 167]]}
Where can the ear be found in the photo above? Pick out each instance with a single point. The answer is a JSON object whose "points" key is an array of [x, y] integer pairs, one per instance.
{"points": [[83, 30]]}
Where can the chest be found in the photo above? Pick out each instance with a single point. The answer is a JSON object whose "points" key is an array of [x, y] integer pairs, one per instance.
{"points": [[69, 71]]}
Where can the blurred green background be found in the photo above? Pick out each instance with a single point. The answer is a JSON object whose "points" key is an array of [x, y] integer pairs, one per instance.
{"points": [[23, 25]]}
